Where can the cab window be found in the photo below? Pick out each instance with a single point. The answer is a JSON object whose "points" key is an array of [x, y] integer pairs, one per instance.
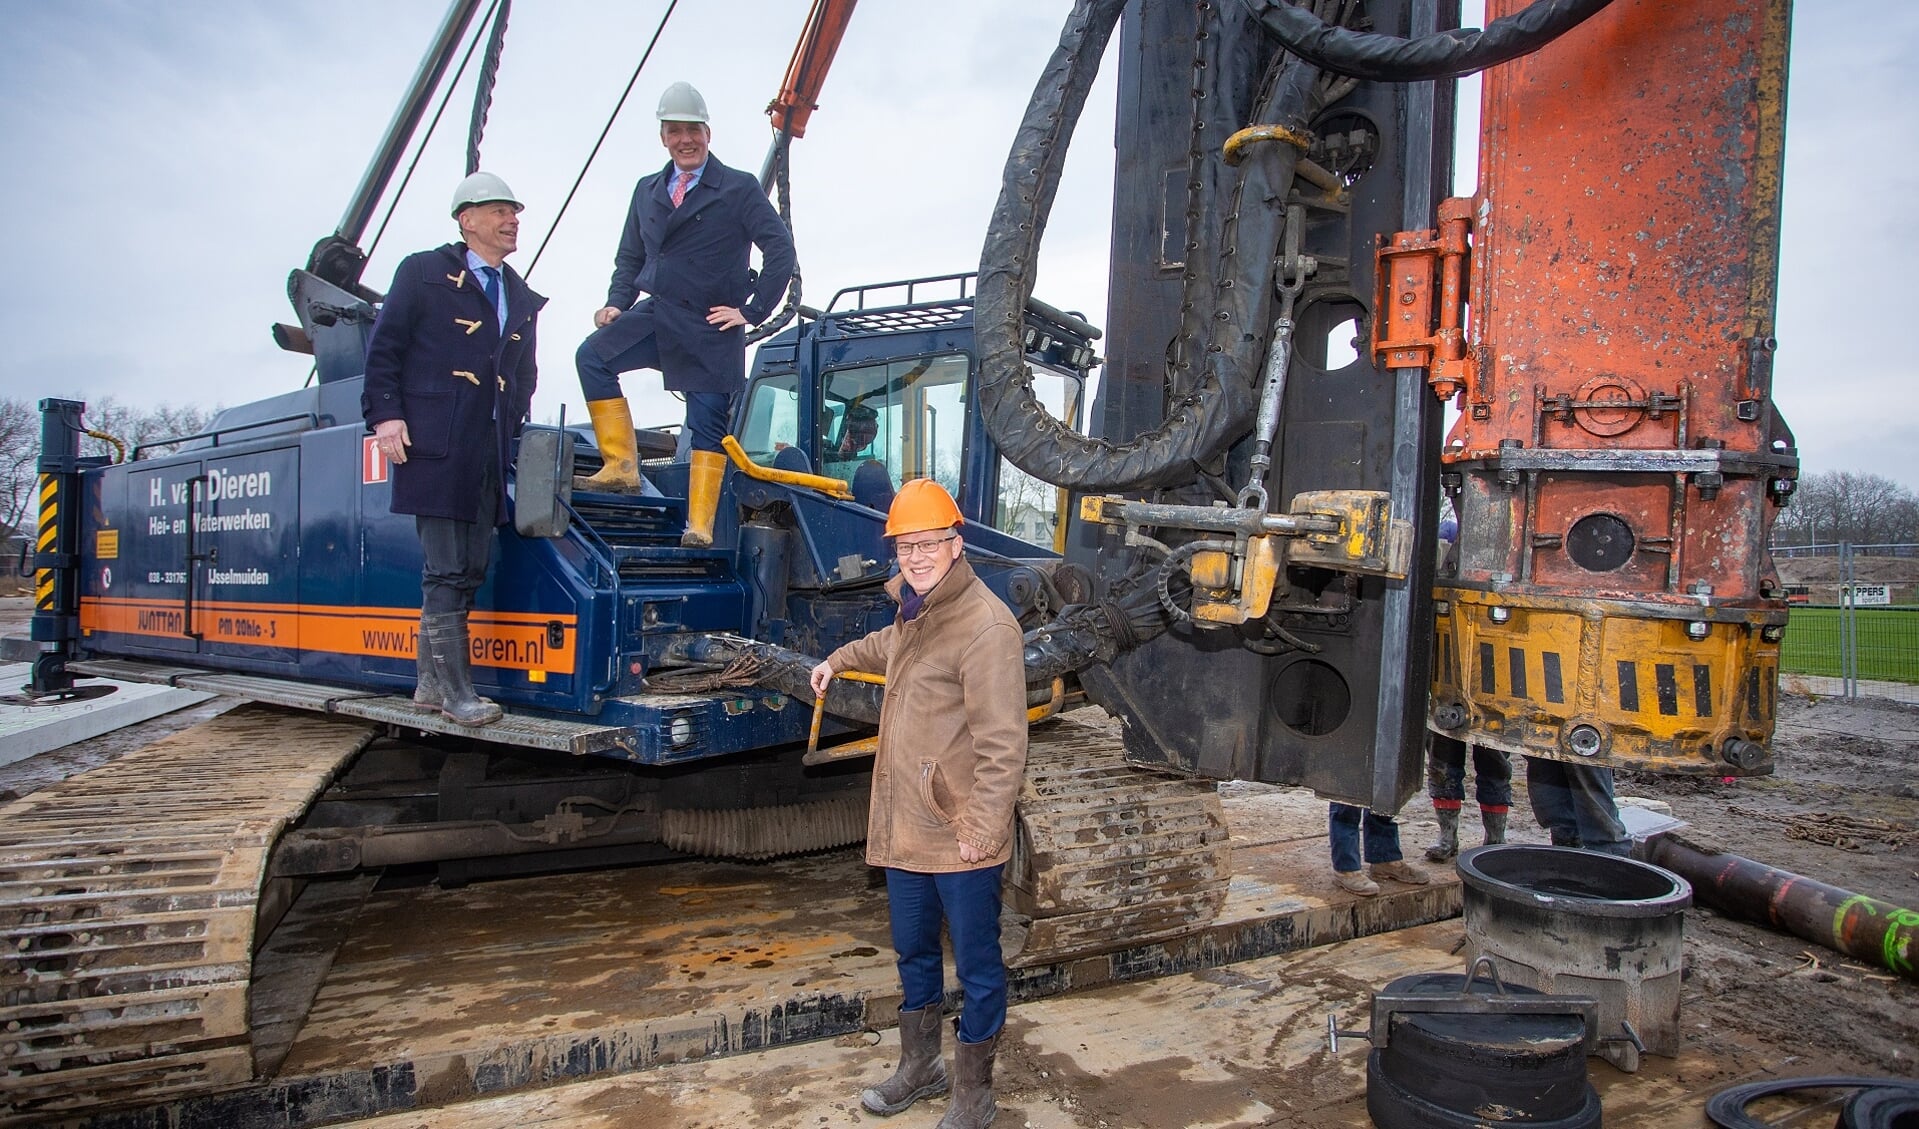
{"points": [[770, 432], [882, 424], [1030, 508]]}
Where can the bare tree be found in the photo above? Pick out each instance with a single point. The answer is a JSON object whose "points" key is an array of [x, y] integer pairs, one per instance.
{"points": [[1841, 505], [20, 442], [19, 450]]}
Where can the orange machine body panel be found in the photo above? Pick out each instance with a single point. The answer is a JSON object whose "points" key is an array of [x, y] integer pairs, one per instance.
{"points": [[1617, 441]]}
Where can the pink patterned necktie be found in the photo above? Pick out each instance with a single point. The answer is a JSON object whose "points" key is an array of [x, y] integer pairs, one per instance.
{"points": [[680, 184]]}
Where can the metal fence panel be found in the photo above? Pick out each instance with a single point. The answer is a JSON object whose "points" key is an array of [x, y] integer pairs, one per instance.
{"points": [[1851, 644]]}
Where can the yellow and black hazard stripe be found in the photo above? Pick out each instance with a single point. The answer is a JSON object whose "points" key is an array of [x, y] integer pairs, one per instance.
{"points": [[46, 542]]}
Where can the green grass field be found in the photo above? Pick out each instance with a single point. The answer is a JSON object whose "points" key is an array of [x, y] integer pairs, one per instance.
{"points": [[1888, 643]]}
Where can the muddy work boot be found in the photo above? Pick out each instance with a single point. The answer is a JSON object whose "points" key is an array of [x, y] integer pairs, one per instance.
{"points": [[1448, 845], [1355, 882], [427, 694], [446, 638], [972, 1106], [1494, 823], [619, 457], [921, 1073], [1401, 871]]}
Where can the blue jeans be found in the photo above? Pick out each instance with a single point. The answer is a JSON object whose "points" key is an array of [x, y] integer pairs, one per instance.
{"points": [[1382, 836], [969, 902], [1575, 803], [1446, 775], [707, 413]]}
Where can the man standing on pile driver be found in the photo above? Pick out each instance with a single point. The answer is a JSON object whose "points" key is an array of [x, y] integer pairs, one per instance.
{"points": [[952, 753], [687, 245], [450, 372]]}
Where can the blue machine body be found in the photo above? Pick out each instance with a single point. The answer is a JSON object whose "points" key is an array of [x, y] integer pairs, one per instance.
{"points": [[266, 546]]}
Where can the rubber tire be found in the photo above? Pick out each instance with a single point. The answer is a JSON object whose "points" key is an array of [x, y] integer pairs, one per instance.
{"points": [[1882, 1107], [1465, 1062], [1727, 1108], [1391, 1106]]}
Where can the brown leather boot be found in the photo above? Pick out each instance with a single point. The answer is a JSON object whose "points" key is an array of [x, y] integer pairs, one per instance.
{"points": [[972, 1106], [921, 1073]]}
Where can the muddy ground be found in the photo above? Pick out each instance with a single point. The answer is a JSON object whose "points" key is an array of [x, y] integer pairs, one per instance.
{"points": [[1842, 808]]}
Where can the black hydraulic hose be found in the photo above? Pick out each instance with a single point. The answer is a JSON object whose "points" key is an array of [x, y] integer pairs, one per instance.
{"points": [[483, 88], [1221, 406], [1447, 54]]}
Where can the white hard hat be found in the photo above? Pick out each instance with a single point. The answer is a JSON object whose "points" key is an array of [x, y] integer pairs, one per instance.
{"points": [[483, 188], [682, 103]]}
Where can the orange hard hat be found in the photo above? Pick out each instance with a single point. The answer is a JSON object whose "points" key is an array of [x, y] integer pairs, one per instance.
{"points": [[922, 504]]}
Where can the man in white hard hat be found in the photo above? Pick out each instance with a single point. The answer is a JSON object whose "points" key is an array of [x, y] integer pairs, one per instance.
{"points": [[687, 246], [449, 380]]}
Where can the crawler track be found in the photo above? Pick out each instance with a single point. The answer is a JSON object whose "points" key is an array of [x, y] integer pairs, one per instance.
{"points": [[1110, 855], [128, 901]]}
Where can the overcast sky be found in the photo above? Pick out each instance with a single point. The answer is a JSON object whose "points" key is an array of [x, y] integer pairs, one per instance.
{"points": [[166, 165]]}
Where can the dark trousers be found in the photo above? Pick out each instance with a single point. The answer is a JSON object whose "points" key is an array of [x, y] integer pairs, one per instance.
{"points": [[1446, 776], [969, 902], [1574, 802], [707, 413], [454, 553], [1381, 836]]}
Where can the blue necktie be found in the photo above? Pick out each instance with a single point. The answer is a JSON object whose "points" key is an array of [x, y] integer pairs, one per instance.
{"points": [[490, 286]]}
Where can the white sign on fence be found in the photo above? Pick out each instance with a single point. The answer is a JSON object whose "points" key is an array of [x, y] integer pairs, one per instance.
{"points": [[1870, 595]]}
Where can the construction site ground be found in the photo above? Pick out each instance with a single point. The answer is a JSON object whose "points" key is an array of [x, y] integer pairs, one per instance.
{"points": [[698, 994]]}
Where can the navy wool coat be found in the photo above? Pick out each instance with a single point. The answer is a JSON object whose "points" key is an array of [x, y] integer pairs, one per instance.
{"points": [[439, 361], [689, 259]]}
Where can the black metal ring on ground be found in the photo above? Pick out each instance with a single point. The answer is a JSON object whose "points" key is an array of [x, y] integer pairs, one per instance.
{"points": [[1727, 1108]]}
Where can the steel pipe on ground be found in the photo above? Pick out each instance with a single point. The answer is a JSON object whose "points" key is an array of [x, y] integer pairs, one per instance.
{"points": [[1854, 924]]}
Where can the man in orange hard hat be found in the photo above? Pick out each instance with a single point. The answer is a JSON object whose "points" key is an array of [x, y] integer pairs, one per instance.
{"points": [[952, 753]]}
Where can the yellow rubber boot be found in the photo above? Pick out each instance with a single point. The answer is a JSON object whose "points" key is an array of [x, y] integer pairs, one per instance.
{"points": [[613, 431], [702, 498]]}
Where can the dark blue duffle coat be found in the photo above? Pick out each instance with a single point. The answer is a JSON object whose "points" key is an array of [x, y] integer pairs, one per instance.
{"points": [[439, 361], [689, 259]]}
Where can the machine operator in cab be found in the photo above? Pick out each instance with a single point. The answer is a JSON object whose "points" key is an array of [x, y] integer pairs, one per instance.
{"points": [[450, 373], [690, 230], [952, 754]]}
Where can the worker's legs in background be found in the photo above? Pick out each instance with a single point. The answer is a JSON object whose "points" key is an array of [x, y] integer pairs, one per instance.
{"points": [[1353, 829], [1446, 784], [1493, 788], [1574, 803], [707, 415]]}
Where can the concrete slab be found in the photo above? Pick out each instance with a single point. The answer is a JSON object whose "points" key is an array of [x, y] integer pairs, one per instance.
{"points": [[27, 731]]}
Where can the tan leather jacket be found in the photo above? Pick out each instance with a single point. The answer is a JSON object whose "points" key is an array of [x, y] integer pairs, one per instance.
{"points": [[952, 748]]}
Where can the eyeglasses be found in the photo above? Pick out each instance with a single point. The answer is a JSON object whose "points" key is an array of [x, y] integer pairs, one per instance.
{"points": [[904, 549]]}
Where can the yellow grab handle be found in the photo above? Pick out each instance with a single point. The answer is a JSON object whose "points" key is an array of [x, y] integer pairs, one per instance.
{"points": [[833, 487], [863, 747]]}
